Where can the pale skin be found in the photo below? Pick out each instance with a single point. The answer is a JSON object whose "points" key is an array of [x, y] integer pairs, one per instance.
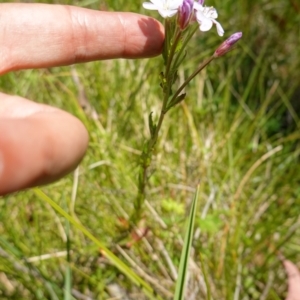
{"points": [[39, 143]]}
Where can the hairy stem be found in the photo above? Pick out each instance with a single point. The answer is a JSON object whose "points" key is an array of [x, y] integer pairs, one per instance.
{"points": [[171, 56]]}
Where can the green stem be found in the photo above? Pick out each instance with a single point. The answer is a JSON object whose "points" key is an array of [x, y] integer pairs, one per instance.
{"points": [[146, 159], [172, 52], [146, 156], [171, 58], [186, 40], [192, 76]]}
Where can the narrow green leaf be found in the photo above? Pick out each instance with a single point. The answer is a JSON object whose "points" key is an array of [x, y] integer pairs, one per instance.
{"points": [[68, 272], [177, 100], [105, 251], [152, 126], [179, 59], [183, 265]]}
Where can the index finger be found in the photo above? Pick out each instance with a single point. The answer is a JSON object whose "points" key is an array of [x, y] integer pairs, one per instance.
{"points": [[42, 35]]}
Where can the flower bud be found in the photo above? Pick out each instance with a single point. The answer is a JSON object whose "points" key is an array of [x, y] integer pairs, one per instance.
{"points": [[227, 45], [185, 13]]}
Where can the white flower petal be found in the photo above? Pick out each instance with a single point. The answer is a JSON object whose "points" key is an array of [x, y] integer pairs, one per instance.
{"points": [[158, 3], [201, 17], [167, 13], [212, 13], [150, 6], [166, 8], [220, 29], [174, 4], [207, 25], [198, 6]]}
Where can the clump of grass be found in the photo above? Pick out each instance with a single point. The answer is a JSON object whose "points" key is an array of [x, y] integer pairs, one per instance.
{"points": [[236, 134]]}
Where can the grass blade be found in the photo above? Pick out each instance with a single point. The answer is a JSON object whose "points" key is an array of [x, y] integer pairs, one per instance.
{"points": [[104, 250], [184, 259], [68, 272]]}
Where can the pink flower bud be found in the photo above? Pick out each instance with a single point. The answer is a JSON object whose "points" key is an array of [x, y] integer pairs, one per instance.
{"points": [[227, 45], [185, 13]]}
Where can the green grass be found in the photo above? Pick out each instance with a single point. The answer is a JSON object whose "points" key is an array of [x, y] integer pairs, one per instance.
{"points": [[237, 134]]}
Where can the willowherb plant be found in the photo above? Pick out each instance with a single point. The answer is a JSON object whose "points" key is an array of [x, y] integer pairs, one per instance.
{"points": [[182, 20]]}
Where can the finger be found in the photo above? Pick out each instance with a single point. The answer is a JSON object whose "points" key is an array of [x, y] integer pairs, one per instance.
{"points": [[38, 144], [41, 35]]}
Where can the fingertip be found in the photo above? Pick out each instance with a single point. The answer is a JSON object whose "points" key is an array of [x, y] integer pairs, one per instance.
{"points": [[39, 149], [149, 36], [69, 141], [108, 35], [69, 34]]}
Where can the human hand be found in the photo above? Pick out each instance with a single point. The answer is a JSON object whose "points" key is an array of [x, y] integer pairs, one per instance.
{"points": [[38, 143]]}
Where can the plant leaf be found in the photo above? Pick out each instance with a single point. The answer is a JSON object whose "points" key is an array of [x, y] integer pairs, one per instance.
{"points": [[184, 259], [104, 250], [177, 100], [68, 272], [152, 126]]}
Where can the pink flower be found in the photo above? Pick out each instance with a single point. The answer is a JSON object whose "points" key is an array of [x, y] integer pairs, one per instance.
{"points": [[227, 45], [206, 17], [185, 13]]}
